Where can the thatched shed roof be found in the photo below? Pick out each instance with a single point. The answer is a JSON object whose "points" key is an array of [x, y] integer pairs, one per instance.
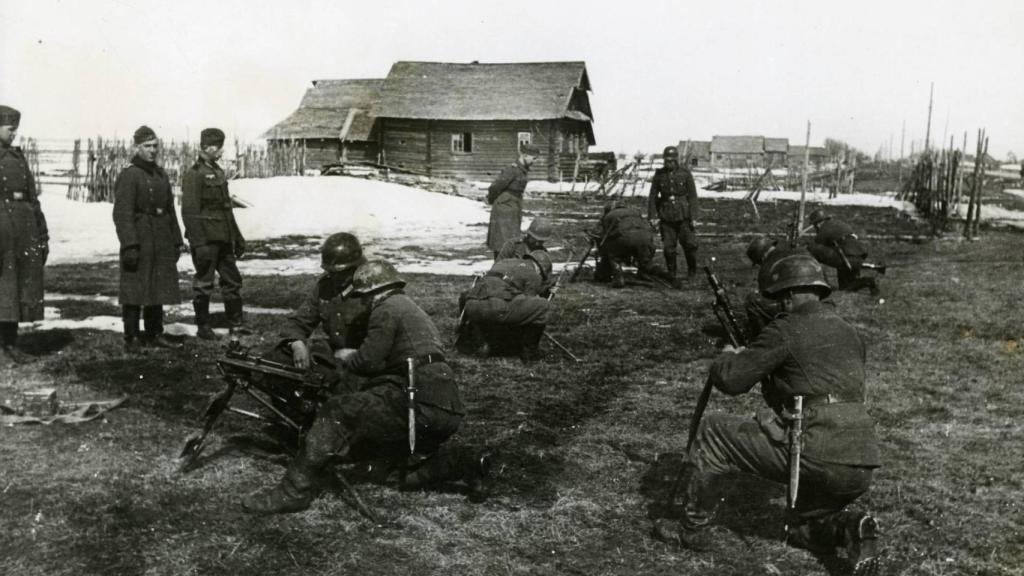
{"points": [[699, 149], [737, 144], [325, 108], [515, 91], [776, 145], [796, 153]]}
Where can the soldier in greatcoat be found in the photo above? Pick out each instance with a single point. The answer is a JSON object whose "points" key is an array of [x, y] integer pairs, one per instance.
{"points": [[24, 241], [213, 235], [505, 195], [151, 243]]}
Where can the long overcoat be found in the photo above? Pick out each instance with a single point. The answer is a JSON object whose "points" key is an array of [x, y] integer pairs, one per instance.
{"points": [[144, 217], [505, 195], [23, 238]]}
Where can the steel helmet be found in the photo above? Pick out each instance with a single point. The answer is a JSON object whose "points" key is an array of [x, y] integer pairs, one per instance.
{"points": [[817, 217], [374, 276], [340, 252], [543, 259], [759, 248], [671, 152], [796, 271], [539, 229]]}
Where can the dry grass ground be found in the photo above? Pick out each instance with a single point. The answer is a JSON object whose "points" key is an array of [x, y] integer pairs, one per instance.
{"points": [[577, 444]]}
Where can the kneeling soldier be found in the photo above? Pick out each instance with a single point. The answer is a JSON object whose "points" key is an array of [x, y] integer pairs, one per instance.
{"points": [[806, 351], [375, 419], [624, 237], [508, 307], [536, 235], [836, 245], [763, 252]]}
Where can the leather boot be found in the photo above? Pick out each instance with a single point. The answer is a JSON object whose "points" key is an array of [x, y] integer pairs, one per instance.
{"points": [[294, 493], [130, 316], [9, 354], [862, 550], [233, 310], [465, 464], [6, 360], [202, 310], [691, 264], [672, 268], [531, 335]]}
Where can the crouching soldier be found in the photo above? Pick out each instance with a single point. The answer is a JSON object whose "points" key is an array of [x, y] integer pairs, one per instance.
{"points": [[836, 245], [507, 310], [536, 235], [625, 237], [374, 420], [805, 351]]}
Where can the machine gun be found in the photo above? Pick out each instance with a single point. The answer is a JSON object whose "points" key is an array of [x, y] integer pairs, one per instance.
{"points": [[292, 404]]}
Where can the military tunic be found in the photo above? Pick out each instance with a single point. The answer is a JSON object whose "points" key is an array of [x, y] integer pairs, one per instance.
{"points": [[341, 317], [374, 420], [145, 219], [505, 195], [627, 238], [23, 240], [809, 351], [508, 295], [516, 249], [211, 230], [673, 200]]}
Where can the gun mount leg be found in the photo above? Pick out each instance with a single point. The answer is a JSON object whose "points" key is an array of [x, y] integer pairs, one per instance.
{"points": [[194, 445]]}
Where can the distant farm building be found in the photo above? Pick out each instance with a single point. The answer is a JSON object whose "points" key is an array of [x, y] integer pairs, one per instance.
{"points": [[445, 119], [334, 122], [737, 151], [695, 153], [817, 157], [775, 152]]}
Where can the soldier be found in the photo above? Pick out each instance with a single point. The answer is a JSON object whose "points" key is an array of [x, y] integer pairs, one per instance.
{"points": [[808, 351], [673, 202], [763, 252], [836, 245], [508, 309], [151, 243], [536, 235], [213, 235], [505, 195], [624, 236], [330, 305], [24, 241], [374, 419]]}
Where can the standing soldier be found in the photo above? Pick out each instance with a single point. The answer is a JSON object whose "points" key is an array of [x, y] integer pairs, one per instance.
{"points": [[508, 308], [806, 351], [24, 241], [505, 195], [401, 341], [624, 236], [212, 234], [673, 202], [836, 245], [536, 235], [151, 243]]}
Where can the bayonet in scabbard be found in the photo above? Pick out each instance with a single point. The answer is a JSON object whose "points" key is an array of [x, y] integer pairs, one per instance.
{"points": [[411, 391]]}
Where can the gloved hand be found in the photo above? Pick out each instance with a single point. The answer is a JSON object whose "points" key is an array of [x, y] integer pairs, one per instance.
{"points": [[239, 248], [300, 355], [130, 259]]}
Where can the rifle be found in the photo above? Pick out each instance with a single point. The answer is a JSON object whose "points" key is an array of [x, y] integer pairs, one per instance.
{"points": [[293, 407], [724, 313], [551, 295], [796, 431]]}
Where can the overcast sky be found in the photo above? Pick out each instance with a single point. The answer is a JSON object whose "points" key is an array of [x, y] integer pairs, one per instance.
{"points": [[661, 71]]}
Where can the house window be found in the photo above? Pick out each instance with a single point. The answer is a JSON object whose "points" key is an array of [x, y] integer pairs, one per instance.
{"points": [[525, 138], [571, 143], [462, 143]]}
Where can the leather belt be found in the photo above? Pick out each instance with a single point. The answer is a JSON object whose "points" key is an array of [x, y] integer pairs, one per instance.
{"points": [[16, 196], [154, 212], [420, 361], [827, 399]]}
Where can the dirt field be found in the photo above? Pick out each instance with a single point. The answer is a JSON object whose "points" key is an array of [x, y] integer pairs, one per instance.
{"points": [[577, 445]]}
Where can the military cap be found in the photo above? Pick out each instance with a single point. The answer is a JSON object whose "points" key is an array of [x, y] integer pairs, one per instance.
{"points": [[529, 149], [144, 134], [211, 137], [9, 116]]}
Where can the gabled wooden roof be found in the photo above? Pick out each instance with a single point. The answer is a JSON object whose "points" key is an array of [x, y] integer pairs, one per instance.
{"points": [[326, 106], [515, 91], [776, 145], [737, 144]]}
